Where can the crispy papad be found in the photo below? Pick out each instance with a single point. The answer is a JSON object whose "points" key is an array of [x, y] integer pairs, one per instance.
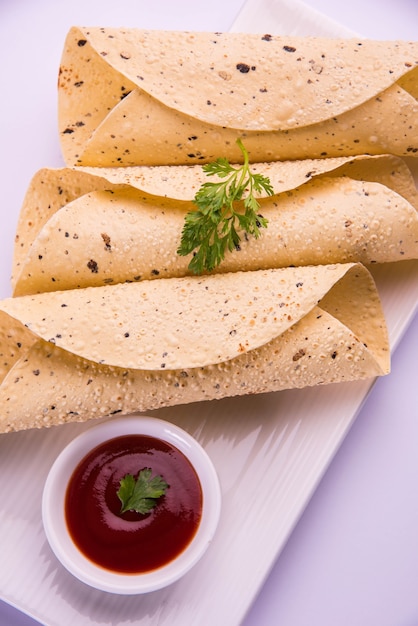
{"points": [[84, 353], [82, 227], [142, 97]]}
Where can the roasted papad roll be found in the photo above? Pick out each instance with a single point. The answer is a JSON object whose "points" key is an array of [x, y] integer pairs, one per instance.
{"points": [[83, 227], [84, 353], [148, 97]]}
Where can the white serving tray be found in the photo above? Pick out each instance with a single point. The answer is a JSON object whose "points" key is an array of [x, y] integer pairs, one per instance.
{"points": [[270, 452]]}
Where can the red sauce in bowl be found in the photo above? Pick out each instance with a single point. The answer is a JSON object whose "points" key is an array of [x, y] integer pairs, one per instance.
{"points": [[132, 543]]}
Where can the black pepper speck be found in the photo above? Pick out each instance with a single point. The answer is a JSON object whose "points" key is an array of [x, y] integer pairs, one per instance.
{"points": [[243, 68], [92, 265]]}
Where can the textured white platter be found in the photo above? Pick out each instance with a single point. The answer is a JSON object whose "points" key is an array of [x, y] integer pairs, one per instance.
{"points": [[270, 452]]}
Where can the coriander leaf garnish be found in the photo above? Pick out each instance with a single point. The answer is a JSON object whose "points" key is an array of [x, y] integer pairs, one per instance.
{"points": [[223, 209], [141, 495]]}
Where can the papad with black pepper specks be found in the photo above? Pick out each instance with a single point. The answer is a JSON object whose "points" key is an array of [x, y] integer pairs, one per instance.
{"points": [[84, 353], [85, 227], [137, 97]]}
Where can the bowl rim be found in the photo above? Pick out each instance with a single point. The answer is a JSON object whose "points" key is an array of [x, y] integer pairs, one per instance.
{"points": [[53, 498]]}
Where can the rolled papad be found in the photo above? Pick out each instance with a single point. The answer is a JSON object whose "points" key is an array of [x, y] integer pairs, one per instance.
{"points": [[82, 227], [84, 353], [141, 97]]}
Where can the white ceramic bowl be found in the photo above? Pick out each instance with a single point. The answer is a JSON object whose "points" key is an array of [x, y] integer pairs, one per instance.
{"points": [[53, 501]]}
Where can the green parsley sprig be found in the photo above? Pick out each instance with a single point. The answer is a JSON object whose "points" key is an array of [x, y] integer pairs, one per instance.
{"points": [[224, 209], [141, 495]]}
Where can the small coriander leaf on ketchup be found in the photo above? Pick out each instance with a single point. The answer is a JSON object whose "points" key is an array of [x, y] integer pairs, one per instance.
{"points": [[141, 494]]}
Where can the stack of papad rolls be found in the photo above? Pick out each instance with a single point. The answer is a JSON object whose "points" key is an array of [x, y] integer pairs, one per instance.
{"points": [[106, 317]]}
